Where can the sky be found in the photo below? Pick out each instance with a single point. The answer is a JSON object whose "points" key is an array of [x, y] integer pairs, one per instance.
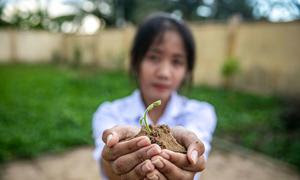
{"points": [[276, 10], [273, 10], [89, 25]]}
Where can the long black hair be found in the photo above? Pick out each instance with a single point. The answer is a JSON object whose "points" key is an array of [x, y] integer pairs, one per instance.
{"points": [[154, 27]]}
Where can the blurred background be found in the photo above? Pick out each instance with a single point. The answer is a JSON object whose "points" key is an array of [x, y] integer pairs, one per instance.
{"points": [[60, 59]]}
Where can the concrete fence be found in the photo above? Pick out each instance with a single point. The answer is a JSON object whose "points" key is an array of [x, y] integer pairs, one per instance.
{"points": [[268, 54]]}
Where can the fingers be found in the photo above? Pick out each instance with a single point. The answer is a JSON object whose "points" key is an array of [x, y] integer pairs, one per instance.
{"points": [[189, 140], [140, 171], [184, 136], [181, 160], [124, 147], [113, 135], [127, 162], [155, 175], [169, 170], [195, 150]]}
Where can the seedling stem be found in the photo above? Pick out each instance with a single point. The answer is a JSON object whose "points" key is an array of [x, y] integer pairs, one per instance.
{"points": [[144, 117]]}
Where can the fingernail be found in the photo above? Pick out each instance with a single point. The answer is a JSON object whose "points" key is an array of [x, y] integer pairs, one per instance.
{"points": [[109, 137], [194, 156], [158, 163], [147, 167], [152, 177], [165, 155], [153, 151], [143, 142]]}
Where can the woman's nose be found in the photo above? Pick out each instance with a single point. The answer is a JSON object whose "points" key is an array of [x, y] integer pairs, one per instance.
{"points": [[164, 70]]}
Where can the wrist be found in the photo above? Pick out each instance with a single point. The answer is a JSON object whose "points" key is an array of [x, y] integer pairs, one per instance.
{"points": [[107, 170]]}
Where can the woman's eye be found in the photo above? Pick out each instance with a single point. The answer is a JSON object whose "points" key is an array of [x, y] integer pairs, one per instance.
{"points": [[153, 57], [178, 62]]}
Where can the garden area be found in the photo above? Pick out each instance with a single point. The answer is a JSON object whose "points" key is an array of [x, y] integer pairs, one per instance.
{"points": [[48, 109]]}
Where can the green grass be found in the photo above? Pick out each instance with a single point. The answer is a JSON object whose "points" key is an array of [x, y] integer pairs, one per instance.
{"points": [[49, 109], [45, 109], [254, 122]]}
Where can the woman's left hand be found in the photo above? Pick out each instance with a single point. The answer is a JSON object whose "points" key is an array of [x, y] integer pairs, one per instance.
{"points": [[172, 165]]}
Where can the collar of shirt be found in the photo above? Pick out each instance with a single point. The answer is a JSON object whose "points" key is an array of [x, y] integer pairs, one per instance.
{"points": [[137, 108]]}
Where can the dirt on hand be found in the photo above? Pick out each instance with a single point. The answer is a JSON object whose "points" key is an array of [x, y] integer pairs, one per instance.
{"points": [[161, 135]]}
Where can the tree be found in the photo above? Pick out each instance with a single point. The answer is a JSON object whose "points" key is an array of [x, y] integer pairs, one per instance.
{"points": [[119, 12], [226, 8]]}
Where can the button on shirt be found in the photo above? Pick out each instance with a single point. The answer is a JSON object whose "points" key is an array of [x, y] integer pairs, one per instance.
{"points": [[198, 117]]}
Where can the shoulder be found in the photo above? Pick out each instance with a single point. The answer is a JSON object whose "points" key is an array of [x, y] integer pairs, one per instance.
{"points": [[115, 105], [197, 116], [197, 112], [196, 106], [123, 108]]}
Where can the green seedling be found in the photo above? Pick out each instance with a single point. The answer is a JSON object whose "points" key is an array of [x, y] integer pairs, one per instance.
{"points": [[144, 117]]}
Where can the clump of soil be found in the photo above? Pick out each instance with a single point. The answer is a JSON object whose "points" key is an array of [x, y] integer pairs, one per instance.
{"points": [[162, 136]]}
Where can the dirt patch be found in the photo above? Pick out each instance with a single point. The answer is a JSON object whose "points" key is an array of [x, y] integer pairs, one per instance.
{"points": [[226, 162], [162, 136]]}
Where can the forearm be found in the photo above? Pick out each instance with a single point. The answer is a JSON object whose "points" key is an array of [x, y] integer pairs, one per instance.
{"points": [[108, 170]]}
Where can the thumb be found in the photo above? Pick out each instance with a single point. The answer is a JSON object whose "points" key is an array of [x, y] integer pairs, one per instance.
{"points": [[117, 133], [112, 139], [195, 150]]}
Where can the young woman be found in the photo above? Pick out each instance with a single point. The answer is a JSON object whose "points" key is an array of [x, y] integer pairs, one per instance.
{"points": [[162, 60]]}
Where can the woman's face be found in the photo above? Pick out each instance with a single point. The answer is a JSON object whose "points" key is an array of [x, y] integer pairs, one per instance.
{"points": [[163, 68]]}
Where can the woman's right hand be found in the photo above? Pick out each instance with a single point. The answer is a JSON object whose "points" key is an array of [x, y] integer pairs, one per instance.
{"points": [[128, 159]]}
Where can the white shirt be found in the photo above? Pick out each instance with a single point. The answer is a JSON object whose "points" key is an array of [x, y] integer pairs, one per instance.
{"points": [[198, 117]]}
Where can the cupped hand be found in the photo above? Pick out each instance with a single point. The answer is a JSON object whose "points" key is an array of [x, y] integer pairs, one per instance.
{"points": [[172, 165], [130, 159]]}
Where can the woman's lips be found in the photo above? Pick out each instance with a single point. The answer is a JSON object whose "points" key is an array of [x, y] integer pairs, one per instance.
{"points": [[160, 87]]}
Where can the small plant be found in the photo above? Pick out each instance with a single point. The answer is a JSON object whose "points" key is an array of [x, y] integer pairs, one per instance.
{"points": [[161, 134], [144, 117], [230, 67]]}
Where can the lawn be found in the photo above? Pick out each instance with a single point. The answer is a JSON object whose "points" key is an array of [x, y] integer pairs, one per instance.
{"points": [[45, 109]]}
